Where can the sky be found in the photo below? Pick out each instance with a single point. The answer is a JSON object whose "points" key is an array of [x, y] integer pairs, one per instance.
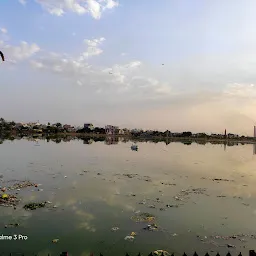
{"points": [[159, 64]]}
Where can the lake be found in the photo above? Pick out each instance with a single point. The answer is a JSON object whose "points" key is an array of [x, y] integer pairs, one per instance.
{"points": [[202, 197]]}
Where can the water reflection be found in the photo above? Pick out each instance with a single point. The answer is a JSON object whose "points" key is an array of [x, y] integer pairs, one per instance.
{"points": [[93, 190], [112, 140], [254, 149]]}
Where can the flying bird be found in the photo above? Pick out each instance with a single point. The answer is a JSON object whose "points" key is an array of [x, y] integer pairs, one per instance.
{"points": [[2, 55]]}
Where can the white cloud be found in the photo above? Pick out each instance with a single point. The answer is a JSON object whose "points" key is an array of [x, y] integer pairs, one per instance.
{"points": [[79, 82], [36, 64], [92, 48], [236, 90], [23, 2], [94, 7], [20, 52], [3, 30]]}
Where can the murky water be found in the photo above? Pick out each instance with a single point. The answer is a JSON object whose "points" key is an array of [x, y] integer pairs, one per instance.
{"points": [[91, 192]]}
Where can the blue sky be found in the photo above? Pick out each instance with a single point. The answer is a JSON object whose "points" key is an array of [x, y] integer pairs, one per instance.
{"points": [[100, 61]]}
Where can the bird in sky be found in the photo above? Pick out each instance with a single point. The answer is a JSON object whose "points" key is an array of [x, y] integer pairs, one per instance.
{"points": [[2, 55]]}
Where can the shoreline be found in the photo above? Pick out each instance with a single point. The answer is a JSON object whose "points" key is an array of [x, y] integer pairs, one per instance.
{"points": [[133, 138]]}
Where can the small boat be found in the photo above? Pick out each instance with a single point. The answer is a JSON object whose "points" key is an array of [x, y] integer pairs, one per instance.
{"points": [[134, 147]]}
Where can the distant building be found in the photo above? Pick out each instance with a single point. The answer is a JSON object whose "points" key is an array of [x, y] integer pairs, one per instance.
{"points": [[69, 128], [254, 132], [88, 126], [111, 130], [66, 126]]}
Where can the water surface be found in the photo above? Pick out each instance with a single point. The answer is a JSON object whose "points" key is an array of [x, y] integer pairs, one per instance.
{"points": [[88, 186]]}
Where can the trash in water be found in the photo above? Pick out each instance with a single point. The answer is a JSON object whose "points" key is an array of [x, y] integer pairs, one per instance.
{"points": [[34, 206], [161, 252], [12, 225], [143, 217], [172, 205], [115, 228], [23, 184], [134, 147], [5, 196], [151, 227], [55, 241], [8, 200], [129, 238], [133, 234]]}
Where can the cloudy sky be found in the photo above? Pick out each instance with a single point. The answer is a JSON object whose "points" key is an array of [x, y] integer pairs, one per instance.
{"points": [[157, 64]]}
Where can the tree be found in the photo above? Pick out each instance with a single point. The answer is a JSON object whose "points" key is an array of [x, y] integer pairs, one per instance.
{"points": [[59, 125], [186, 134]]}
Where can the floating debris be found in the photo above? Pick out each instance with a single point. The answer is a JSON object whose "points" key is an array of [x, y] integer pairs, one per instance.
{"points": [[55, 241], [133, 234], [168, 184], [143, 217], [23, 184], [5, 196], [172, 206], [8, 200], [34, 206], [12, 225], [129, 238], [134, 148], [151, 227], [222, 180], [161, 252], [130, 175], [115, 228]]}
